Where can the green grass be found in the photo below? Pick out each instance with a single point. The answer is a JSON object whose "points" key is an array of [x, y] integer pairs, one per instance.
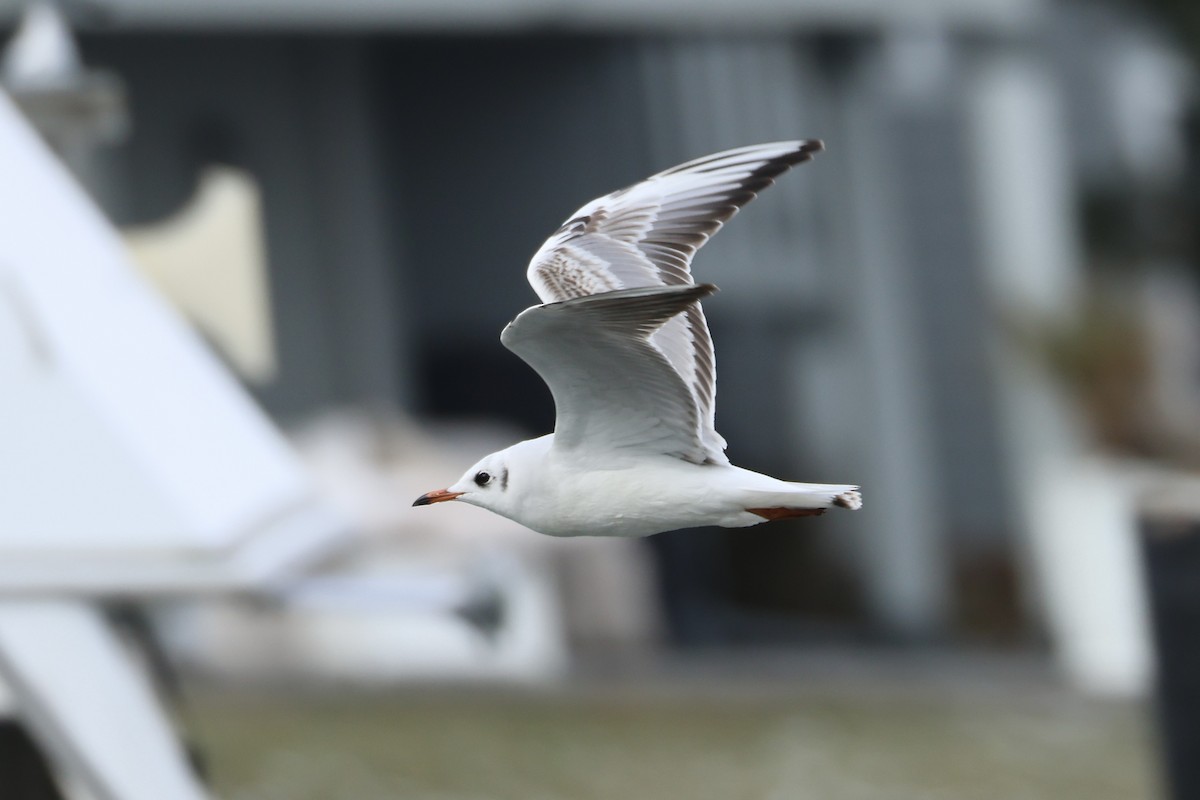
{"points": [[613, 745]]}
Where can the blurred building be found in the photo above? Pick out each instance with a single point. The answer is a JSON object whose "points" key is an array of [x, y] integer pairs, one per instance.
{"points": [[410, 157]]}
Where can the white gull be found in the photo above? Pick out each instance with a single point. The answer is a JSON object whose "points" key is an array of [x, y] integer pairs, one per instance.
{"points": [[622, 343]]}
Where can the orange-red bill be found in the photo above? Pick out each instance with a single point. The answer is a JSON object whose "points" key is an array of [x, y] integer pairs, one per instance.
{"points": [[436, 496]]}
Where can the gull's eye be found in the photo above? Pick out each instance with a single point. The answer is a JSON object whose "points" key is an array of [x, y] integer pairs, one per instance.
{"points": [[482, 479]]}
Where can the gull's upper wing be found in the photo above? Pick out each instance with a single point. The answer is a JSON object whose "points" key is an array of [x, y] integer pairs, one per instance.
{"points": [[646, 235], [613, 390]]}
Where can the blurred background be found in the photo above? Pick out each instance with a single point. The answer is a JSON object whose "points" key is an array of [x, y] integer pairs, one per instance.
{"points": [[980, 303]]}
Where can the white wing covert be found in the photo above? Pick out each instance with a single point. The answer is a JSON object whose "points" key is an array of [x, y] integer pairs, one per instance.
{"points": [[646, 234], [613, 390]]}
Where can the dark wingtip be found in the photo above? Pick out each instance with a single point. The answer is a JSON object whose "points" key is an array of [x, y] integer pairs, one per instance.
{"points": [[807, 149]]}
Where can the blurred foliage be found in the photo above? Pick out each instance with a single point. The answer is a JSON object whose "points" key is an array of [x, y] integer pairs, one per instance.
{"points": [[1100, 355]]}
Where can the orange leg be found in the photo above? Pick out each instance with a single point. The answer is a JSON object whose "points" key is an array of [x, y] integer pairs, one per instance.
{"points": [[786, 513]]}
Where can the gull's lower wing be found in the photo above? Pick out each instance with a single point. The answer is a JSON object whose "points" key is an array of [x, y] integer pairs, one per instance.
{"points": [[613, 390]]}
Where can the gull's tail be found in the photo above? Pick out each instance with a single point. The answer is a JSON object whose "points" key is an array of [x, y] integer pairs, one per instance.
{"points": [[802, 500]]}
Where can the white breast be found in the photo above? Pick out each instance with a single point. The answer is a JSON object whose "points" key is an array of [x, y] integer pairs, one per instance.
{"points": [[638, 498]]}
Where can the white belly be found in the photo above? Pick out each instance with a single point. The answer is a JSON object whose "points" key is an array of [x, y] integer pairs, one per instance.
{"points": [[645, 498]]}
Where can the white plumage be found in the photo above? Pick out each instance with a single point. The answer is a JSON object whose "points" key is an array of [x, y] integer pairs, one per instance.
{"points": [[622, 343]]}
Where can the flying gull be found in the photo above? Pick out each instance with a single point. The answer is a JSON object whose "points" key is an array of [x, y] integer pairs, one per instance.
{"points": [[621, 341]]}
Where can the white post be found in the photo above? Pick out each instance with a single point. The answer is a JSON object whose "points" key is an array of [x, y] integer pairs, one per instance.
{"points": [[1078, 516], [88, 704]]}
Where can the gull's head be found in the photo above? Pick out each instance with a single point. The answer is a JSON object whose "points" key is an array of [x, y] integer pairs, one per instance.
{"points": [[486, 485]]}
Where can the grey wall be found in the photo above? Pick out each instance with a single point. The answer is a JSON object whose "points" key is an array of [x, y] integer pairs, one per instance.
{"points": [[407, 180]]}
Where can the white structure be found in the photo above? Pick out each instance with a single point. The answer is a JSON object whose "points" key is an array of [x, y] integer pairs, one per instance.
{"points": [[131, 465]]}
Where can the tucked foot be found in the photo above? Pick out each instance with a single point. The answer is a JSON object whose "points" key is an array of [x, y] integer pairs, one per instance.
{"points": [[786, 513]]}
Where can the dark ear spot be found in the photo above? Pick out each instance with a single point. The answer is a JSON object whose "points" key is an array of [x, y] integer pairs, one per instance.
{"points": [[503, 479]]}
